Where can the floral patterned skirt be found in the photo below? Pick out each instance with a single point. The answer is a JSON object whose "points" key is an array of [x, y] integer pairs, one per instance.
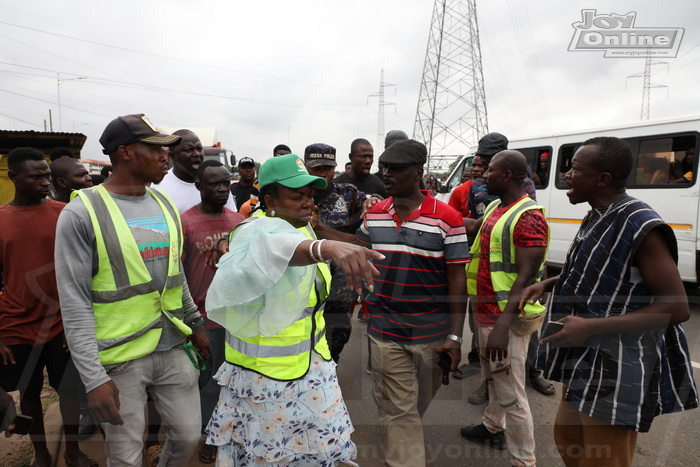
{"points": [[260, 421]]}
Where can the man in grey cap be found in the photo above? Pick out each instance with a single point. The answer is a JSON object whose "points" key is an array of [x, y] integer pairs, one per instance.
{"points": [[418, 305], [126, 307]]}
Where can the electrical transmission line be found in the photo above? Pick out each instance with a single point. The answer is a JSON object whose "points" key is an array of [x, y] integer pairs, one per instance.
{"points": [[451, 115]]}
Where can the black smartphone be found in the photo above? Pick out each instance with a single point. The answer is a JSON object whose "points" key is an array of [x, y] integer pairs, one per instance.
{"points": [[444, 361], [551, 328], [22, 424]]}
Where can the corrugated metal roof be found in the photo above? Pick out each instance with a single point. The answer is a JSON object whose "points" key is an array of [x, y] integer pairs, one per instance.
{"points": [[44, 141]]}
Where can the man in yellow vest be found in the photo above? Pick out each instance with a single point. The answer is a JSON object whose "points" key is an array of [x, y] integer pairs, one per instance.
{"points": [[126, 306], [507, 256]]}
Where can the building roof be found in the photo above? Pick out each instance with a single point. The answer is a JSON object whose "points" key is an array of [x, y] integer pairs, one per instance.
{"points": [[44, 141]]}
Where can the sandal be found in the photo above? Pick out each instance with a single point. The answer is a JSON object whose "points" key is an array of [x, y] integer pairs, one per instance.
{"points": [[207, 455], [464, 371], [153, 455], [542, 385]]}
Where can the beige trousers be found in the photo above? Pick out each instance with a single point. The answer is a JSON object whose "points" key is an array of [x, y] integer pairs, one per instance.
{"points": [[405, 377]]}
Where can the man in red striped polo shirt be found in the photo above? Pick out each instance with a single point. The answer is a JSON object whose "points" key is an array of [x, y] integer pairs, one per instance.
{"points": [[418, 305]]}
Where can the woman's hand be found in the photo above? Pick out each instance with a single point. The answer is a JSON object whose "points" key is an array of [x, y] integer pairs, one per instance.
{"points": [[355, 261]]}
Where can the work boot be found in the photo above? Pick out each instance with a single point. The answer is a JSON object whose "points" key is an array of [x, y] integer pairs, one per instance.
{"points": [[481, 434], [480, 394]]}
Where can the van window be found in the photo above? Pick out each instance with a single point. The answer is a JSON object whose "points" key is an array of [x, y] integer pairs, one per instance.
{"points": [[666, 160], [566, 153], [538, 159], [658, 161]]}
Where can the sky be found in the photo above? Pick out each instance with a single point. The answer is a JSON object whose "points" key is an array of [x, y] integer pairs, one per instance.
{"points": [[302, 72]]}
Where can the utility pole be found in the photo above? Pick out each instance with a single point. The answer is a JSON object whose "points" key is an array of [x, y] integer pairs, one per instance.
{"points": [[451, 115], [60, 80], [380, 120]]}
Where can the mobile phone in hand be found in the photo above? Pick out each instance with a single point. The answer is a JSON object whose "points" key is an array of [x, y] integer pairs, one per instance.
{"points": [[22, 424], [551, 328], [444, 361]]}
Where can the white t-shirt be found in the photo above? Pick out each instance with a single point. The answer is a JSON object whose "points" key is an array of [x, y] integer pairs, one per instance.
{"points": [[186, 194]]}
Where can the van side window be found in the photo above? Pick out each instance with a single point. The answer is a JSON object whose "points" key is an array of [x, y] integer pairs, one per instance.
{"points": [[566, 153], [666, 160], [538, 159]]}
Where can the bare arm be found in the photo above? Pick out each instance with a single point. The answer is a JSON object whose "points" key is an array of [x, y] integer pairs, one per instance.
{"points": [[527, 262], [670, 305], [354, 260]]}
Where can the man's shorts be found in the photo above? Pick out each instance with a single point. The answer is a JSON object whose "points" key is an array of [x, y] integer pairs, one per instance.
{"points": [[30, 361]]}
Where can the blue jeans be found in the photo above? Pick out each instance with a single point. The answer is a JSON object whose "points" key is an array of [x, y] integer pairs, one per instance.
{"points": [[171, 380]]}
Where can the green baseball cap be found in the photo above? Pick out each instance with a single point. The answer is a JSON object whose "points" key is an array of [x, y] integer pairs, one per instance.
{"points": [[288, 170]]}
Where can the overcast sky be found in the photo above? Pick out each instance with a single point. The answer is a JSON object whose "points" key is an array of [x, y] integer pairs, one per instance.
{"points": [[300, 72]]}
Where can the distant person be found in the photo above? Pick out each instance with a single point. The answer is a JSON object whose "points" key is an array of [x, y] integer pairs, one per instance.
{"points": [[97, 179], [246, 186], [247, 208], [541, 175], [361, 158], [68, 175], [106, 171], [31, 331], [622, 354], [203, 227], [687, 166], [126, 306], [281, 150], [348, 167], [460, 195], [61, 152], [179, 182]]}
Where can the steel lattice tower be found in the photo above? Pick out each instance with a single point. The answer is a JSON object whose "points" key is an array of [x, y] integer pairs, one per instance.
{"points": [[382, 104], [451, 115]]}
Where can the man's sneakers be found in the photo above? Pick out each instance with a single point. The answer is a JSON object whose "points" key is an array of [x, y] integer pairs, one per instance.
{"points": [[481, 434]]}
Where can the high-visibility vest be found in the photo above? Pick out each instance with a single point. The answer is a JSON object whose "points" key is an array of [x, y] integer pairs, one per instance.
{"points": [[128, 307], [502, 254], [287, 354]]}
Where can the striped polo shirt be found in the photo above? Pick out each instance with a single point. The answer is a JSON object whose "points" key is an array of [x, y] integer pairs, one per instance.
{"points": [[410, 302]]}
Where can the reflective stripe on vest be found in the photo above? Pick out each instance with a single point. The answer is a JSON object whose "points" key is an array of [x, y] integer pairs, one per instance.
{"points": [[287, 354], [128, 307], [502, 259]]}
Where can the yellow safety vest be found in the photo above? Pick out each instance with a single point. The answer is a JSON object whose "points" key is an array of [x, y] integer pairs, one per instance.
{"points": [[502, 254], [128, 307], [287, 354]]}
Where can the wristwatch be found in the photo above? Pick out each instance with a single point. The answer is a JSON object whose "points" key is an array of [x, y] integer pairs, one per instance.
{"points": [[457, 339]]}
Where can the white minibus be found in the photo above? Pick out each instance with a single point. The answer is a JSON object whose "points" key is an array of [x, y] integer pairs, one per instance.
{"points": [[664, 176]]}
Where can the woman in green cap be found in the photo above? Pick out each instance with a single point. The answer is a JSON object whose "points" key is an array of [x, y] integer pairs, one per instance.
{"points": [[280, 403]]}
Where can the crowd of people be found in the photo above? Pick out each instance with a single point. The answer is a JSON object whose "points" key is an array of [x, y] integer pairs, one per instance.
{"points": [[145, 291]]}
